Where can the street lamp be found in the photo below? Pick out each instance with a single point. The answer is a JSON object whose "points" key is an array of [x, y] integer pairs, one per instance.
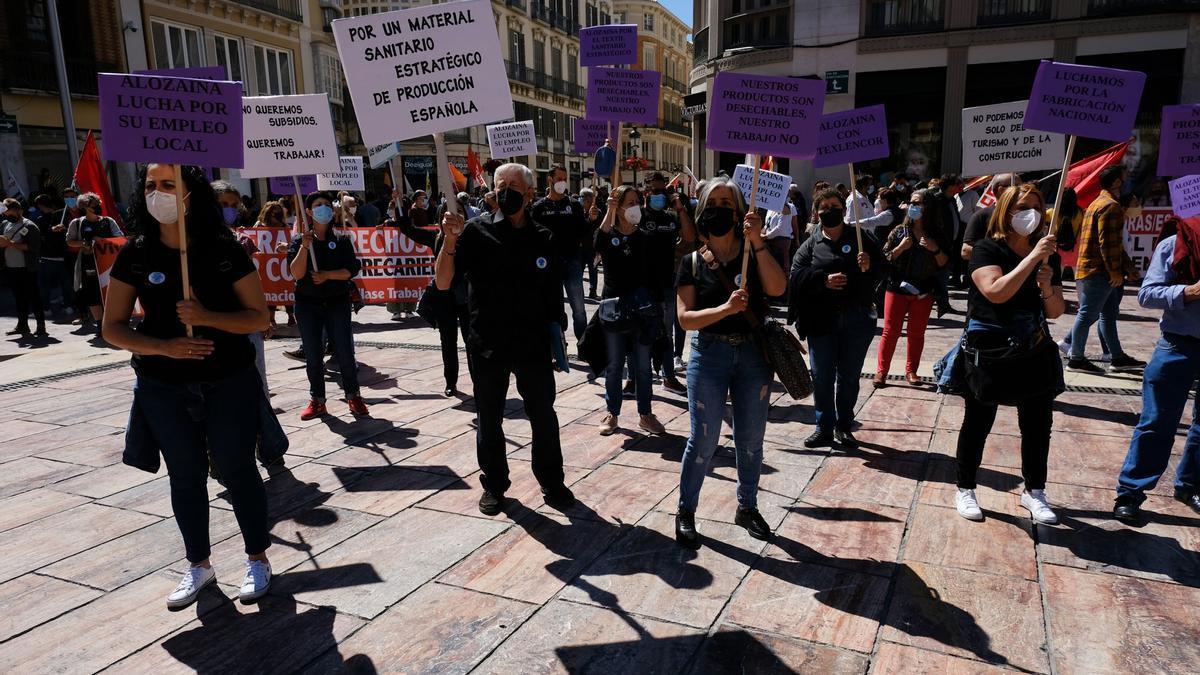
{"points": [[634, 137]]}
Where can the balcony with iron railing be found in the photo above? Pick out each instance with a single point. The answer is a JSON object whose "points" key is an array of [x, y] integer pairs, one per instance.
{"points": [[35, 71], [519, 4], [675, 127], [674, 84], [886, 18], [543, 13], [544, 81], [288, 9], [1012, 12], [1133, 7]]}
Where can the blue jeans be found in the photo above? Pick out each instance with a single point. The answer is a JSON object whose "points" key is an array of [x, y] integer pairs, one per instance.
{"points": [[621, 345], [1097, 300], [1168, 378], [56, 275], [836, 359], [717, 369], [573, 285], [327, 317], [190, 421]]}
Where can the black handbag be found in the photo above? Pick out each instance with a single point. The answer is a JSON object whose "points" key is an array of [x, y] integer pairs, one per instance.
{"points": [[780, 346], [1010, 373], [432, 304]]}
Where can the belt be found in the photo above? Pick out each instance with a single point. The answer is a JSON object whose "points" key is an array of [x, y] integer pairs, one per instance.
{"points": [[731, 339]]}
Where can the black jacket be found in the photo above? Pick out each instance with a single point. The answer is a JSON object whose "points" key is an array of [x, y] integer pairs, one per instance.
{"points": [[811, 306]]}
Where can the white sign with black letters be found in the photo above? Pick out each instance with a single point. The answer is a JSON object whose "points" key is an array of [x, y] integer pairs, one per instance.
{"points": [[287, 136], [995, 140], [512, 139], [349, 177], [772, 187]]}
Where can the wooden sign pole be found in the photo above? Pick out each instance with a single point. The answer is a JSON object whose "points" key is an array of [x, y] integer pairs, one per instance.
{"points": [[303, 220], [854, 207], [753, 207], [181, 222]]}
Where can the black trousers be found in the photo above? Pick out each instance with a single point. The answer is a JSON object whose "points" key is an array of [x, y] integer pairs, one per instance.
{"points": [[27, 294], [451, 323], [535, 385], [1034, 416]]}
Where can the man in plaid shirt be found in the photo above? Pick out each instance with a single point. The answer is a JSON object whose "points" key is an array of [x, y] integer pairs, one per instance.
{"points": [[1100, 276]]}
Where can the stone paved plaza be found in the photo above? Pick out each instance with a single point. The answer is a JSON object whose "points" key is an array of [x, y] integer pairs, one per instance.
{"points": [[384, 563]]}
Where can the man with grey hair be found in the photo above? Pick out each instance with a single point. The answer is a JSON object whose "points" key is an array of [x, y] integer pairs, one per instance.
{"points": [[514, 294], [81, 232], [464, 199]]}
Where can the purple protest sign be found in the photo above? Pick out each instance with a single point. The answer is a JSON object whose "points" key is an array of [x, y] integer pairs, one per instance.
{"points": [[857, 135], [1084, 100], [173, 120], [590, 135], [612, 45], [763, 115], [282, 185], [198, 73], [616, 95], [1179, 140]]}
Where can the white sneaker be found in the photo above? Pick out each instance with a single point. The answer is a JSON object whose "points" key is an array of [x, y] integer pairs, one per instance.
{"points": [[964, 501], [680, 366], [194, 580], [256, 582], [1064, 347], [1035, 501], [397, 317]]}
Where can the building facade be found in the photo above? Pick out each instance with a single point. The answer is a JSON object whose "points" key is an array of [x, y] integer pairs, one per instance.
{"points": [[663, 46], [926, 60]]}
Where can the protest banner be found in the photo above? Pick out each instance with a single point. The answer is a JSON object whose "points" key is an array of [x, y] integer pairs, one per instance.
{"points": [[275, 276], [1185, 196], [349, 176], [197, 73], [995, 140], [512, 139], [849, 136], [761, 115], [288, 135], [425, 70], [589, 135], [282, 185], [378, 155], [617, 95], [772, 189], [1142, 234], [1179, 140], [611, 45], [172, 120]]}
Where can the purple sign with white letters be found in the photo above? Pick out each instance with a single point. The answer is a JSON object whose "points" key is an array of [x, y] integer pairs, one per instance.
{"points": [[1179, 142], [1084, 100], [283, 185], [857, 135], [617, 95], [197, 73], [590, 135], [172, 120], [612, 45], [762, 115]]}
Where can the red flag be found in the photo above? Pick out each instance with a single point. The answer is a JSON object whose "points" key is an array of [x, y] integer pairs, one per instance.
{"points": [[475, 168], [768, 163], [91, 177], [1084, 175]]}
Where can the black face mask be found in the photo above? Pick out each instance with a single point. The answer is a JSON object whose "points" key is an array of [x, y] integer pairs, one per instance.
{"points": [[832, 218], [510, 201], [716, 221]]}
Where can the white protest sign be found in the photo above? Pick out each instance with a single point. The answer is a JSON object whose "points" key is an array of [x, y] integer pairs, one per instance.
{"points": [[772, 187], [287, 135], [349, 177], [425, 70], [994, 140], [378, 155], [1185, 196], [512, 139]]}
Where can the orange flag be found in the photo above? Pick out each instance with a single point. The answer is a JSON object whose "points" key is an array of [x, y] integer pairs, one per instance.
{"points": [[459, 180]]}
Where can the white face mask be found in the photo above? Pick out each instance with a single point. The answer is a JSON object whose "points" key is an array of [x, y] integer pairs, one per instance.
{"points": [[1026, 222], [633, 215], [561, 187], [162, 206]]}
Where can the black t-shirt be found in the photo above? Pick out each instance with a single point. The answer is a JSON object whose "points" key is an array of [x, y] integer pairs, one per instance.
{"points": [[154, 271], [332, 254], [988, 253], [565, 220], [977, 228], [712, 292], [54, 244], [514, 287], [664, 227], [626, 262]]}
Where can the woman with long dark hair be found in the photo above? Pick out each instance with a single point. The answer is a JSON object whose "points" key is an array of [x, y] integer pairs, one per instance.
{"points": [[918, 251], [726, 360], [194, 395], [323, 303]]}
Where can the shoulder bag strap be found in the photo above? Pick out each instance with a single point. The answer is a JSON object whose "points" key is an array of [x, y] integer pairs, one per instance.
{"points": [[751, 317]]}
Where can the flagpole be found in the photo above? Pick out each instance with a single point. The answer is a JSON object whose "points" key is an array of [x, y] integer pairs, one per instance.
{"points": [[304, 226], [64, 91], [443, 172], [616, 177], [753, 206], [181, 222], [854, 207], [1062, 183]]}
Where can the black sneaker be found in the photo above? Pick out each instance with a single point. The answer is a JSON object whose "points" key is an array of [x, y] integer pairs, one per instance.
{"points": [[752, 520], [1126, 511], [1084, 366], [845, 439], [819, 439], [560, 498], [491, 504], [685, 530], [1125, 364], [296, 355], [1192, 499]]}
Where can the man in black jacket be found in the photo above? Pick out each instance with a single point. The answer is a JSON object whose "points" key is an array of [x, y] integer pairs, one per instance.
{"points": [[567, 222]]}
